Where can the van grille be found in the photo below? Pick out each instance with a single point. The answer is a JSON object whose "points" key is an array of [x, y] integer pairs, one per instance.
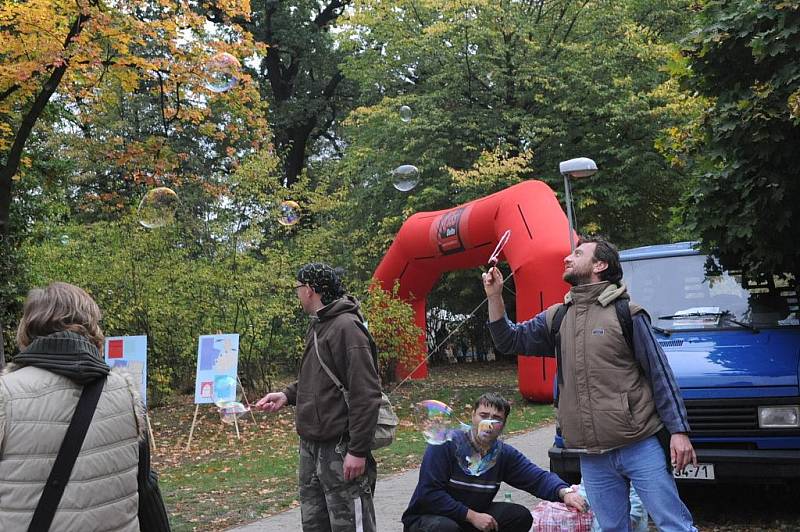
{"points": [[670, 343], [732, 417], [707, 416]]}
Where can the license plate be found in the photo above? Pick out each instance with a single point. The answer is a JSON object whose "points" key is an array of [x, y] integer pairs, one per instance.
{"points": [[700, 472]]}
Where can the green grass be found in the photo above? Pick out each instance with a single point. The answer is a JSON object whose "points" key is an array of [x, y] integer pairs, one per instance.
{"points": [[224, 481]]}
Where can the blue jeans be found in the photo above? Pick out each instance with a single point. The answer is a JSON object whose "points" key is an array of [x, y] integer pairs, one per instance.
{"points": [[607, 476]]}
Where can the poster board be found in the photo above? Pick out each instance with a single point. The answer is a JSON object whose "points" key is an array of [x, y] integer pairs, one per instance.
{"points": [[217, 365], [129, 355]]}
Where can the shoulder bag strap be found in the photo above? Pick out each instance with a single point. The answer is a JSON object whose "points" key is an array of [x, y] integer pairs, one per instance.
{"points": [[67, 454], [336, 381]]}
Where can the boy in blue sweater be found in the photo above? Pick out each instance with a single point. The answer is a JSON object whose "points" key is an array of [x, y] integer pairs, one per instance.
{"points": [[449, 498]]}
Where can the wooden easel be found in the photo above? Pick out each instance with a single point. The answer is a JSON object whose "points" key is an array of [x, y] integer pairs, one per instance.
{"points": [[235, 419]]}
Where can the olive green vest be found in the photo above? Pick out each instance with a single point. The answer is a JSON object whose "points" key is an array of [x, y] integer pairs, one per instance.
{"points": [[605, 401]]}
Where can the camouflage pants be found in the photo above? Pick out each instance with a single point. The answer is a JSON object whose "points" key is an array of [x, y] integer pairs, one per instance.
{"points": [[328, 503]]}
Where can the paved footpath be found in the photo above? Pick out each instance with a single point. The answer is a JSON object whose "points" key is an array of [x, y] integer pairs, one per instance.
{"points": [[393, 493]]}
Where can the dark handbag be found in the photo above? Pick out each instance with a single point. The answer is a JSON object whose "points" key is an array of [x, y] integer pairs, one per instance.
{"points": [[67, 454], [152, 512]]}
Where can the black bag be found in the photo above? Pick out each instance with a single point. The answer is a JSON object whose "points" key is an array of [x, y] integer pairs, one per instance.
{"points": [[152, 512]]}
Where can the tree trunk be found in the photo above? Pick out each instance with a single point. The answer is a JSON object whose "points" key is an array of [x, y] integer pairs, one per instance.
{"points": [[14, 155]]}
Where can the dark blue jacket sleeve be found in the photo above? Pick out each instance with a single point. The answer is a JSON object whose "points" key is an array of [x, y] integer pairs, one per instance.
{"points": [[523, 474], [666, 393], [528, 338], [431, 493]]}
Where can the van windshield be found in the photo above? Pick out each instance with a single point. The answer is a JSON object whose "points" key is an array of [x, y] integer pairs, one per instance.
{"points": [[688, 296]]}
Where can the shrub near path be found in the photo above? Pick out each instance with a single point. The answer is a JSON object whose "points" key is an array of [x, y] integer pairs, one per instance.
{"points": [[223, 481]]}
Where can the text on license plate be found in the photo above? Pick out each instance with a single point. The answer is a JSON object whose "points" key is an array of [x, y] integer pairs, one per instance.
{"points": [[700, 472]]}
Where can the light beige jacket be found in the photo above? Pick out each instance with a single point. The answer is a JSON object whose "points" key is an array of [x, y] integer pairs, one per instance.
{"points": [[36, 407]]}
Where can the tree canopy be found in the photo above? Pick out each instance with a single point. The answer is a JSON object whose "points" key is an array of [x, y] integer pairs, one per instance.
{"points": [[745, 57]]}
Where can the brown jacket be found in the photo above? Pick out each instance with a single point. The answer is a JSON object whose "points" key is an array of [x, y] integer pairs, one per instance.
{"points": [[322, 414], [605, 402]]}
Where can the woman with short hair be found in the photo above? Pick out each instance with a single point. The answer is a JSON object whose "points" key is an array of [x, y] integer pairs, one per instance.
{"points": [[60, 343]]}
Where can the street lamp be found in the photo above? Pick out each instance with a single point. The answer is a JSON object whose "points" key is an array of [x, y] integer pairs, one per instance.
{"points": [[576, 169]]}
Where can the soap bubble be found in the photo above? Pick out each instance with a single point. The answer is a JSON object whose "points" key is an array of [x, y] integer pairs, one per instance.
{"points": [[64, 240], [230, 410], [470, 459], [405, 113], [405, 177], [157, 207], [288, 213], [435, 421], [487, 428], [222, 72], [224, 388]]}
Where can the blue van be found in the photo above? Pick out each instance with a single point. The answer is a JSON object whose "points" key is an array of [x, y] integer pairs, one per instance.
{"points": [[734, 346]]}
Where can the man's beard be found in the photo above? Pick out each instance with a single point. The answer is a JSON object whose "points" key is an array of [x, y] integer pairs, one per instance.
{"points": [[576, 278]]}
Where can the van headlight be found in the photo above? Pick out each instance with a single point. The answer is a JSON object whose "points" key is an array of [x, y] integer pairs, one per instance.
{"points": [[778, 417]]}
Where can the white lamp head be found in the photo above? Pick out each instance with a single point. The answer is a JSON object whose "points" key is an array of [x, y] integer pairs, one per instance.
{"points": [[579, 167]]}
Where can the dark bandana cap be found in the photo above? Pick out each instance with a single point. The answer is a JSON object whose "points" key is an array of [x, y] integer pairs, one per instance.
{"points": [[325, 281]]}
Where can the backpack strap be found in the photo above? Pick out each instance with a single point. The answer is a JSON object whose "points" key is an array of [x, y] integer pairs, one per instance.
{"points": [[67, 454], [623, 308], [555, 334]]}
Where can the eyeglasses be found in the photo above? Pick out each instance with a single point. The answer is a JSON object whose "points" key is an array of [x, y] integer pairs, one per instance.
{"points": [[299, 286]]}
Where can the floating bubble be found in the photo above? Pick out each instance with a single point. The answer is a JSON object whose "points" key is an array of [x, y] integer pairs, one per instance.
{"points": [[222, 72], [158, 207], [435, 421], [488, 428], [64, 240], [288, 213], [224, 388], [471, 460], [229, 411], [405, 177], [405, 113]]}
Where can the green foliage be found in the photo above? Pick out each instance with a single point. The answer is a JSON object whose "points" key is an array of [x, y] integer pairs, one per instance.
{"points": [[149, 282], [546, 81], [745, 56], [392, 325]]}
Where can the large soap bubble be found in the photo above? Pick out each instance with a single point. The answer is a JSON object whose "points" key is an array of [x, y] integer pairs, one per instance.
{"points": [[288, 213], [435, 420], [222, 72], [158, 207], [406, 113], [224, 388], [405, 177], [229, 411]]}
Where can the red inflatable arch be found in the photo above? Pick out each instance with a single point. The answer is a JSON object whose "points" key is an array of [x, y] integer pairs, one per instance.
{"points": [[431, 243]]}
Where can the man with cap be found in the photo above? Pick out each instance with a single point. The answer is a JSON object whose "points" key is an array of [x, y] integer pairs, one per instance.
{"points": [[337, 473]]}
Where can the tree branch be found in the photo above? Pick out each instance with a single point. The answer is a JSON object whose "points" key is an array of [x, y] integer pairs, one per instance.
{"points": [[14, 156]]}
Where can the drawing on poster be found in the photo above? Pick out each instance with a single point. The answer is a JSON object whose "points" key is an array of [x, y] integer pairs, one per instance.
{"points": [[217, 363], [128, 354]]}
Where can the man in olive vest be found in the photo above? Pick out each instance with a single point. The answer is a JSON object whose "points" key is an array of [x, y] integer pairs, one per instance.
{"points": [[613, 399]]}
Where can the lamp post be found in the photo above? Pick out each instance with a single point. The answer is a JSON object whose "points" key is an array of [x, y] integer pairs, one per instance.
{"points": [[575, 168]]}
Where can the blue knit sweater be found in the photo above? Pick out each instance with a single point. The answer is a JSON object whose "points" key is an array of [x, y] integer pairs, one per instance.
{"points": [[445, 489]]}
